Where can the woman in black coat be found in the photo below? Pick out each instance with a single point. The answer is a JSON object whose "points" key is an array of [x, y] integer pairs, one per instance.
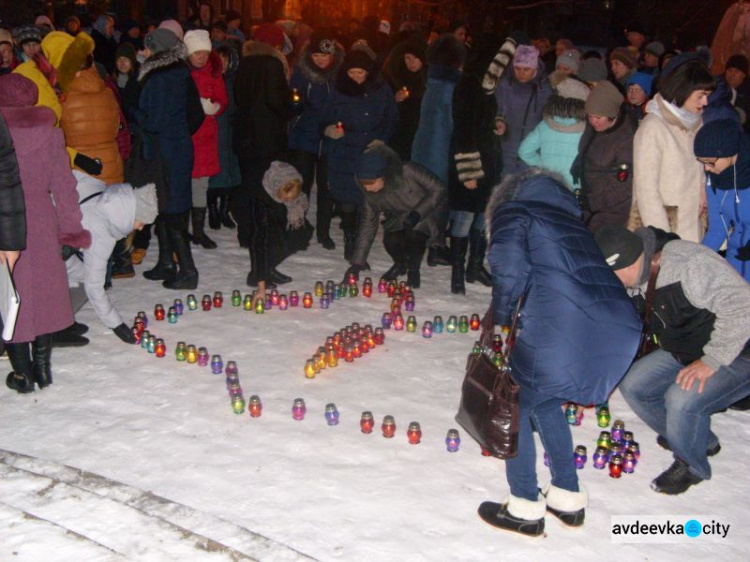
{"points": [[475, 153], [12, 206]]}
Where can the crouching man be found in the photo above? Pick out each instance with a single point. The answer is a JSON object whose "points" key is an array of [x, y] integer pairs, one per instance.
{"points": [[110, 213], [700, 310], [415, 204]]}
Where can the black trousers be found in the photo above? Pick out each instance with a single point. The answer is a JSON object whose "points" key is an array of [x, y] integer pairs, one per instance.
{"points": [[314, 167], [406, 247]]}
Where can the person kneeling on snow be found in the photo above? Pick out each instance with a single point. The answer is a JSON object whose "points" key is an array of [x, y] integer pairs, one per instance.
{"points": [[414, 202], [110, 213]]}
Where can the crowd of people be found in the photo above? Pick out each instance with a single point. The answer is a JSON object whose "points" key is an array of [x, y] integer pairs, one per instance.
{"points": [[594, 172]]}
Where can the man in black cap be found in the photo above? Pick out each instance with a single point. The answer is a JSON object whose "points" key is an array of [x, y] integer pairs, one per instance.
{"points": [[699, 307], [414, 202]]}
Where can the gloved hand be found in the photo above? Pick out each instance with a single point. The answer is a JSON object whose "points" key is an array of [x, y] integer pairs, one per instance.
{"points": [[354, 269], [68, 252], [333, 132], [411, 220], [124, 333], [743, 253], [209, 107], [92, 166]]}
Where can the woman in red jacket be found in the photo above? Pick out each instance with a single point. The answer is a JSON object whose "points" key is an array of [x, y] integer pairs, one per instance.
{"points": [[206, 70]]}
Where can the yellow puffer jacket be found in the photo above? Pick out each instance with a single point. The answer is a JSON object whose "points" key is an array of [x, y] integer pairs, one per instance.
{"points": [[91, 121], [47, 94]]}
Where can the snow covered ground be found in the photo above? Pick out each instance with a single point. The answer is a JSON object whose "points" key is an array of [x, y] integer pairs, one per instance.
{"points": [[130, 457]]}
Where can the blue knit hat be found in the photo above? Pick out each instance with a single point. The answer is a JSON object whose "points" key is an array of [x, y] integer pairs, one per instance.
{"points": [[645, 81], [371, 165], [718, 139]]}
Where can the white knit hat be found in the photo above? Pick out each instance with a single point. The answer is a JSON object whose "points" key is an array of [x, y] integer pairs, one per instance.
{"points": [[197, 40]]}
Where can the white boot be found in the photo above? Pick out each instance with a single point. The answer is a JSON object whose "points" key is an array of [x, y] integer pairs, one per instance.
{"points": [[568, 507]]}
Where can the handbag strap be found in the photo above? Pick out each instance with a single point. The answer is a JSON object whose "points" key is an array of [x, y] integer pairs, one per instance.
{"points": [[511, 341], [650, 293], [488, 326]]}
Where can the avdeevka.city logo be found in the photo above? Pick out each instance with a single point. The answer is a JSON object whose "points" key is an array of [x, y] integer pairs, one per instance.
{"points": [[668, 528]]}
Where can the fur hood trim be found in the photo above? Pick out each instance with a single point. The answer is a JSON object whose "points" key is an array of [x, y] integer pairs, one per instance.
{"points": [[259, 49], [313, 72], [565, 108], [170, 57], [508, 189]]}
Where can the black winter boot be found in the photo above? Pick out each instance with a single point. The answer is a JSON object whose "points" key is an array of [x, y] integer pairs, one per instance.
{"points": [[20, 379], [518, 515], [415, 247], [476, 272], [187, 277], [569, 507], [675, 480], [398, 269], [438, 256], [224, 216], [165, 267], [458, 260], [278, 278], [200, 238], [41, 350], [212, 204], [349, 226]]}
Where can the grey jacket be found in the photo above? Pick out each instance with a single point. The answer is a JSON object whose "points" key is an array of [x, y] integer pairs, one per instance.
{"points": [[408, 187], [109, 217]]}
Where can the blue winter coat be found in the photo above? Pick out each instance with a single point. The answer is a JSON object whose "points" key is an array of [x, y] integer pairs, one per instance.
{"points": [[521, 107], [720, 103], [432, 143], [579, 330], [163, 116], [367, 113], [729, 209], [314, 86], [229, 176]]}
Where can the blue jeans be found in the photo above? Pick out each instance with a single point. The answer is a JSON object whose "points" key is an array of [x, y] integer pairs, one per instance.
{"points": [[547, 416], [464, 221], [683, 417]]}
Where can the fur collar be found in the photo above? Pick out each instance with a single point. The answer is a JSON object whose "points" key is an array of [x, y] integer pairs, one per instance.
{"points": [[350, 88], [260, 49], [165, 59], [313, 72], [564, 108]]}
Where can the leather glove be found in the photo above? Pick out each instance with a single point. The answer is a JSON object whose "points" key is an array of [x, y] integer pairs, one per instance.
{"points": [[92, 166], [411, 220], [354, 269], [209, 107], [124, 333], [743, 253]]}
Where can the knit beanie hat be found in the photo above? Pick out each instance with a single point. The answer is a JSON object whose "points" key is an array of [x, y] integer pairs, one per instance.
{"points": [[371, 165], [739, 62], [43, 21], [276, 177], [568, 87], [5, 36], [623, 55], [604, 100], [173, 26], [656, 48], [526, 56], [322, 42], [620, 247], [570, 58], [416, 47], [146, 206], [126, 50], [592, 70], [718, 139], [161, 39], [361, 45], [358, 58], [270, 34], [197, 40], [27, 33], [645, 81]]}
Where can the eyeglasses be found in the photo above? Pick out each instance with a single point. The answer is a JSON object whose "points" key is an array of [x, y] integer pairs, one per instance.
{"points": [[710, 163]]}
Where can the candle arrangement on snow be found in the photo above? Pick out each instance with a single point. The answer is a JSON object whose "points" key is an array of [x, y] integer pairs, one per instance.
{"points": [[349, 343]]}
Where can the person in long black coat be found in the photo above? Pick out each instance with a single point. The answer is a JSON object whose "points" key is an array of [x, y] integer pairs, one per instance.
{"points": [[475, 153], [12, 206], [414, 202], [260, 137]]}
